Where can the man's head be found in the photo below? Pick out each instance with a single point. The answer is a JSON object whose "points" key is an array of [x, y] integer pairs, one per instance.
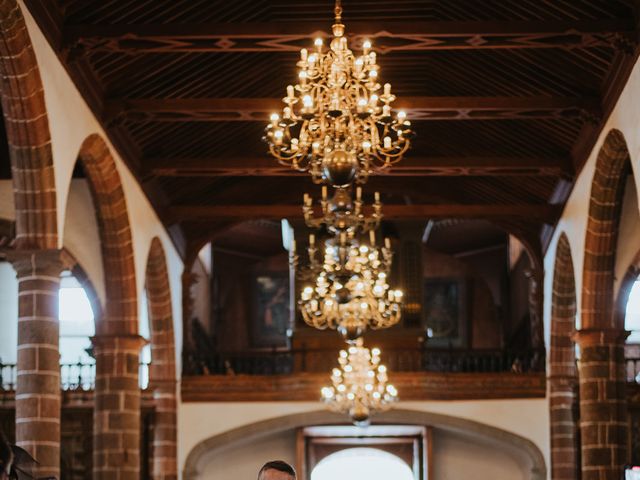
{"points": [[277, 470]]}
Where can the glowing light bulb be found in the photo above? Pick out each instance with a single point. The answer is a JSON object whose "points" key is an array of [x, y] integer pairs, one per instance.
{"points": [[402, 115], [307, 101], [366, 45]]}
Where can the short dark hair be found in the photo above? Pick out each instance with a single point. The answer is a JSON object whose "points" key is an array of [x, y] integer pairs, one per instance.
{"points": [[278, 465]]}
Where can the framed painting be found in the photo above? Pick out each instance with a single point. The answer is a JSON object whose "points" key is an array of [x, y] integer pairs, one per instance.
{"points": [[445, 312], [271, 317]]}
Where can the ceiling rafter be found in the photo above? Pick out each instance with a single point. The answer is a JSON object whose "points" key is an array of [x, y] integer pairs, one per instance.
{"points": [[198, 213], [411, 166], [388, 36], [417, 108]]}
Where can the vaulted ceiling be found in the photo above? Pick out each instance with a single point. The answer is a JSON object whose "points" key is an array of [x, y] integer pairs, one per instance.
{"points": [[507, 97]]}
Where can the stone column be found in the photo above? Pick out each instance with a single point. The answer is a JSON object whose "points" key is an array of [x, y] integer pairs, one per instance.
{"points": [[116, 417], [165, 462], [38, 382], [603, 410]]}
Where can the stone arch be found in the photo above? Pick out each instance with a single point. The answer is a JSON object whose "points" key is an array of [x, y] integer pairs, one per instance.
{"points": [[202, 451], [163, 365], [116, 436], [563, 375], [605, 204], [120, 313], [603, 426], [34, 255], [27, 127]]}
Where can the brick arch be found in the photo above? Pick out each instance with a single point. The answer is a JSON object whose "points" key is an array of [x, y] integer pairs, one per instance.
{"points": [[116, 416], [603, 426], [563, 375], [121, 311], [605, 204], [162, 373], [28, 135]]}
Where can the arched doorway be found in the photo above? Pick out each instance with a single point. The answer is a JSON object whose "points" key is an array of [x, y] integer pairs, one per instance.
{"points": [[369, 463]]}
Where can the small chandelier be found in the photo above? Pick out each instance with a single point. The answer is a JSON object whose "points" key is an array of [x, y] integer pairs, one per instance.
{"points": [[337, 122], [360, 385], [348, 288], [342, 214]]}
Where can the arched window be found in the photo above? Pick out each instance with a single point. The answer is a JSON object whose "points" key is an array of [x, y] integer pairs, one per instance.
{"points": [[144, 330], [369, 463], [632, 315], [76, 329]]}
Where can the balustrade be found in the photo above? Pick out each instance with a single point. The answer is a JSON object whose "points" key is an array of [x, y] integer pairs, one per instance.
{"points": [[282, 362], [78, 376]]}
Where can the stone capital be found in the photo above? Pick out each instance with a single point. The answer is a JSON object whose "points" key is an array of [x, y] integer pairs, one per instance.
{"points": [[600, 336], [132, 343], [49, 262]]}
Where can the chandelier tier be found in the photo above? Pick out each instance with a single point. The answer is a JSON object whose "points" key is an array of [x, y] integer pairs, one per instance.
{"points": [[359, 385], [342, 214], [337, 122], [346, 286]]}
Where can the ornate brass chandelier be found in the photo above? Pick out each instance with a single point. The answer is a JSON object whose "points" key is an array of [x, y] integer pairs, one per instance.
{"points": [[337, 122], [346, 286], [360, 385]]}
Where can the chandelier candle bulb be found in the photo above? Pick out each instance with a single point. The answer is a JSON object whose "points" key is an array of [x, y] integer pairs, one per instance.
{"points": [[312, 240]]}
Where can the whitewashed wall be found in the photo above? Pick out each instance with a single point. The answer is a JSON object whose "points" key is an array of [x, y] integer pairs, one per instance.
{"points": [[626, 118], [71, 122], [527, 418]]}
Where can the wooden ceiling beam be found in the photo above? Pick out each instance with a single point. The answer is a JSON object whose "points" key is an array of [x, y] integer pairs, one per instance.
{"points": [[386, 36], [417, 108], [412, 166], [199, 213]]}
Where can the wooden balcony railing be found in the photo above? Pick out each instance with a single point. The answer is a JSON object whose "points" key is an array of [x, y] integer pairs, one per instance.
{"points": [[283, 362]]}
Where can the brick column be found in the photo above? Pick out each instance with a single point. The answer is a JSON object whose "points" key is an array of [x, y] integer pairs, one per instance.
{"points": [[564, 432], [603, 409], [165, 463], [116, 418], [38, 383]]}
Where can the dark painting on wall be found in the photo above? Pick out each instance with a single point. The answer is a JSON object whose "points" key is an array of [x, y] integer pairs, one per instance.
{"points": [[445, 311], [271, 310]]}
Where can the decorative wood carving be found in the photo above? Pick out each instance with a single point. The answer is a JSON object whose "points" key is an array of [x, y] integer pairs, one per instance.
{"points": [[417, 108], [387, 36]]}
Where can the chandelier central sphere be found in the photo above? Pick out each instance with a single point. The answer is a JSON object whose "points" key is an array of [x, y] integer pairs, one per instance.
{"points": [[359, 386], [337, 122]]}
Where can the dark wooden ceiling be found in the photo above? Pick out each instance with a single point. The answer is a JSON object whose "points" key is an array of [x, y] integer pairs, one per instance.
{"points": [[507, 97]]}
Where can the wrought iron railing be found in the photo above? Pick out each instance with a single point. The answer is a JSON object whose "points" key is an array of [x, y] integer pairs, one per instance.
{"points": [[633, 369], [78, 376], [280, 362]]}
